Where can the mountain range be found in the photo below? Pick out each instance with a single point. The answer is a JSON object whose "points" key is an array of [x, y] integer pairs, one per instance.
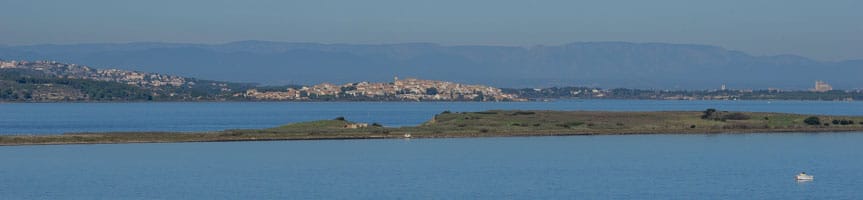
{"points": [[595, 64]]}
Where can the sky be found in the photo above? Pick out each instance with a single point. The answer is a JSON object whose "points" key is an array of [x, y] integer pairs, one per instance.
{"points": [[824, 30]]}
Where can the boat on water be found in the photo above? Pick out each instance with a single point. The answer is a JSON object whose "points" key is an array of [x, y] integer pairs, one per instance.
{"points": [[804, 177]]}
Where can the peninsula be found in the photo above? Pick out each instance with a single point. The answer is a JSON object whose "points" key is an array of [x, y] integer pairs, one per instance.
{"points": [[51, 81], [494, 123]]}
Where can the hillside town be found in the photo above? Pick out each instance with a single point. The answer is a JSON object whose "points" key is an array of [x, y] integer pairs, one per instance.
{"points": [[45, 81], [410, 89], [73, 71]]}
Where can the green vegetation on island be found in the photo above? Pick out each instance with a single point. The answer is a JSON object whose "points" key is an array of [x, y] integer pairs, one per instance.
{"points": [[494, 123]]}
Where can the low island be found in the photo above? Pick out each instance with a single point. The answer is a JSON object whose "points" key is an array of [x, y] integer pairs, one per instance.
{"points": [[494, 123]]}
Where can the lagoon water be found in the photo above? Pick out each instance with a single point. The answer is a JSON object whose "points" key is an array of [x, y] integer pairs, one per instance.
{"points": [[699, 166], [718, 166]]}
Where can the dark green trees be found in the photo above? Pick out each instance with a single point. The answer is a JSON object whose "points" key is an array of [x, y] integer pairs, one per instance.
{"points": [[708, 113], [812, 120]]}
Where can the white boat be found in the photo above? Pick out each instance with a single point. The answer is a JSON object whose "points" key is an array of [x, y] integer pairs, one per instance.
{"points": [[804, 177], [407, 135]]}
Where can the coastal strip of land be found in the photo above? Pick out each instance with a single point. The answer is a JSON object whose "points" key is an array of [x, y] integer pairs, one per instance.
{"points": [[493, 123]]}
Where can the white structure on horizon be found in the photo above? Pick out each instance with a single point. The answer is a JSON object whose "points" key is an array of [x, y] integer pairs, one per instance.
{"points": [[821, 86]]}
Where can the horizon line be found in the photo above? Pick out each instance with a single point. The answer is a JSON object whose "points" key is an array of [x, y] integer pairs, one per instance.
{"points": [[424, 43]]}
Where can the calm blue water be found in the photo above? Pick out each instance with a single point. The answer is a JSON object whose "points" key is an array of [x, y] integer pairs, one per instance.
{"points": [[55, 118], [751, 166], [715, 166]]}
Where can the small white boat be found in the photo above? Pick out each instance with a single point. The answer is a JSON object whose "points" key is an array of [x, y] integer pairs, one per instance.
{"points": [[804, 177], [407, 135]]}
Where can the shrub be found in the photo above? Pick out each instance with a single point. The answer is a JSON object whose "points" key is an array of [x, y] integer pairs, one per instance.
{"points": [[708, 114], [835, 122], [713, 114], [523, 113], [844, 122], [340, 118], [813, 120], [483, 130], [377, 125], [736, 116], [692, 126], [446, 112], [826, 124], [569, 124]]}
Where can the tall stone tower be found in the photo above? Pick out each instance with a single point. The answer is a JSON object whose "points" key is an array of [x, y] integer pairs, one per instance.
{"points": [[396, 83]]}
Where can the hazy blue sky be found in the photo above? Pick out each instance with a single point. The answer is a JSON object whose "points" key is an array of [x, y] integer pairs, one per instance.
{"points": [[827, 30]]}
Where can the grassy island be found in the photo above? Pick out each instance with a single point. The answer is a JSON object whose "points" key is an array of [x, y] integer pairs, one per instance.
{"points": [[494, 123]]}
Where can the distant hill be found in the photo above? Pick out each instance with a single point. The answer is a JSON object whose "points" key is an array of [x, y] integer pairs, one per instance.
{"points": [[600, 64], [49, 81], [52, 81]]}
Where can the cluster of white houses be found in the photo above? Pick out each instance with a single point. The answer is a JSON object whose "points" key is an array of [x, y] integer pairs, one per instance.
{"points": [[400, 89], [83, 72]]}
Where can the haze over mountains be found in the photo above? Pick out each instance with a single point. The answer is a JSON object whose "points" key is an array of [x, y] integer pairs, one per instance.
{"points": [[601, 64]]}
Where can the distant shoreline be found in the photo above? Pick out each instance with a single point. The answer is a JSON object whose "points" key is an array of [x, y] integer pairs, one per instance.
{"points": [[496, 123], [429, 101]]}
